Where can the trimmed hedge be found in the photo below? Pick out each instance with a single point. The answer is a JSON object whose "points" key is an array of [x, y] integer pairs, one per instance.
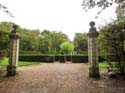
{"points": [[79, 59], [48, 59], [61, 58]]}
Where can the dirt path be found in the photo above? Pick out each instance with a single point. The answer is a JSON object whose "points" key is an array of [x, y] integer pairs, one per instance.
{"points": [[58, 78]]}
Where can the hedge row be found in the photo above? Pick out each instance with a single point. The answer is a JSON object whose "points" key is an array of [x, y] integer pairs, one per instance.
{"points": [[52, 58]]}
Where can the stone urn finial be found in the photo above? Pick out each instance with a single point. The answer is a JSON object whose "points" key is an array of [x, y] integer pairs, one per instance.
{"points": [[15, 26], [92, 31], [92, 24], [14, 34]]}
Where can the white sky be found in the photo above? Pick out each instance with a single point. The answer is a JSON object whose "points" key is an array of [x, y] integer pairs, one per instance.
{"points": [[60, 15]]}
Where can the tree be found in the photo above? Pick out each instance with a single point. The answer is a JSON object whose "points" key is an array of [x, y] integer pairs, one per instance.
{"points": [[5, 28], [112, 38], [29, 39], [67, 47], [45, 41], [80, 42], [50, 41], [32, 41], [102, 4], [4, 8], [57, 39]]}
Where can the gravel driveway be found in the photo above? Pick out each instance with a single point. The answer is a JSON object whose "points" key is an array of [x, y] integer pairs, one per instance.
{"points": [[58, 78]]}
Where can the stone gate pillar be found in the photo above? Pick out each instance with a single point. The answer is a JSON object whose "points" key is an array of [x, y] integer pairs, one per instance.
{"points": [[13, 52], [93, 51]]}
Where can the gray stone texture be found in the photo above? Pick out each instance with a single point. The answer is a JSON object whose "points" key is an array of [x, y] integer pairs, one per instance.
{"points": [[93, 52], [13, 52]]}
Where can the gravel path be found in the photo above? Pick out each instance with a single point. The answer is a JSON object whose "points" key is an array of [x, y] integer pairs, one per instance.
{"points": [[58, 78]]}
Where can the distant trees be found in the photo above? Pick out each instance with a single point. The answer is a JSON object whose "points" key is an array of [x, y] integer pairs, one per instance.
{"points": [[50, 41], [33, 41], [28, 39], [45, 41], [81, 42], [57, 38]]}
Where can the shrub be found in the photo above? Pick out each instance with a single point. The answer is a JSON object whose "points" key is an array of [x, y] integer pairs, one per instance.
{"points": [[3, 53], [59, 57]]}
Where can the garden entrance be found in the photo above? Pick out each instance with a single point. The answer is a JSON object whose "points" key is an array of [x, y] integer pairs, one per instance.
{"points": [[92, 51]]}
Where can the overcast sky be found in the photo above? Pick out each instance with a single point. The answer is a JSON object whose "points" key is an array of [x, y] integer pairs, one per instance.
{"points": [[60, 15]]}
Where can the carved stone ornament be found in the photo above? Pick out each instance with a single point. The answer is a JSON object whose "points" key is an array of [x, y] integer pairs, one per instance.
{"points": [[92, 31], [14, 34]]}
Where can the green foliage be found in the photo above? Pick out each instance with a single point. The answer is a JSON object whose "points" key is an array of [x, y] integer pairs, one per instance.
{"points": [[67, 47], [103, 65], [37, 42], [81, 43], [33, 40], [51, 58], [4, 62], [3, 53], [5, 28], [28, 39], [24, 63], [112, 42], [45, 43], [57, 39], [36, 55], [29, 52], [50, 41]]}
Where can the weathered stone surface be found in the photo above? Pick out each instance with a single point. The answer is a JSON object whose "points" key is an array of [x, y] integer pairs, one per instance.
{"points": [[93, 51], [92, 31], [93, 34], [94, 72], [13, 52], [11, 70], [14, 34]]}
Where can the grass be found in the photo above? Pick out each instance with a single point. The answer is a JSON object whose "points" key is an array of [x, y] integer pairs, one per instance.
{"points": [[103, 65], [4, 62]]}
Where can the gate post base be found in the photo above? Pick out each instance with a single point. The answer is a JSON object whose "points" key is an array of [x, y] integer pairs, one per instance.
{"points": [[94, 72], [11, 70]]}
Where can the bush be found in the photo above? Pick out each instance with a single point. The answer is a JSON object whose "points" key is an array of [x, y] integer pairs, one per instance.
{"points": [[29, 52], [59, 57], [79, 59], [36, 58], [3, 53]]}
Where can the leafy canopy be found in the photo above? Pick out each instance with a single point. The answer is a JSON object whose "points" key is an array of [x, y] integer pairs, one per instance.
{"points": [[67, 47]]}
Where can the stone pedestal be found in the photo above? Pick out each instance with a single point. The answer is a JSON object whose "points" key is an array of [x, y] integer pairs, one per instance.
{"points": [[13, 52], [11, 70], [93, 52]]}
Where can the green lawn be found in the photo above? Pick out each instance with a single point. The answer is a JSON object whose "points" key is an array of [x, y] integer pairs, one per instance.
{"points": [[103, 65], [4, 62]]}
